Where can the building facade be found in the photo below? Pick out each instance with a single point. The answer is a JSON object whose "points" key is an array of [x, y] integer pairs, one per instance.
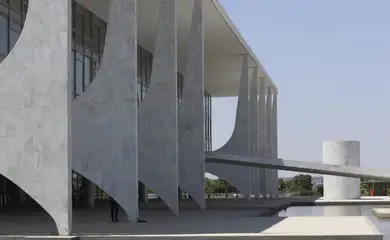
{"points": [[116, 97]]}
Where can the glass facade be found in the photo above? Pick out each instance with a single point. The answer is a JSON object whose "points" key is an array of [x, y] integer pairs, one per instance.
{"points": [[88, 36], [207, 122], [88, 40], [12, 16], [145, 61]]}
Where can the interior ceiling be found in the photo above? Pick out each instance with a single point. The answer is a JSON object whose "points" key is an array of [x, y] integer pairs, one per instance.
{"points": [[222, 47]]}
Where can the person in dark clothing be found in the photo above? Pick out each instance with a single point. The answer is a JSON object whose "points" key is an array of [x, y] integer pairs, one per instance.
{"points": [[114, 206]]}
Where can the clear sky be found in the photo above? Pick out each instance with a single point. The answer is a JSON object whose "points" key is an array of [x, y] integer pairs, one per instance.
{"points": [[331, 62]]}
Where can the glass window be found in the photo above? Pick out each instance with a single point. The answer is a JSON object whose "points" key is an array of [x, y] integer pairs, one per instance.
{"points": [[16, 16], [139, 92], [139, 64], [148, 68], [13, 38], [16, 5], [3, 35], [88, 24], [95, 38], [79, 81], [79, 26], [102, 36], [73, 72], [87, 72], [24, 7]]}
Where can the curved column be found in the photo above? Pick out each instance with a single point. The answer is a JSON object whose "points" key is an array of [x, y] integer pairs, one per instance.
{"points": [[104, 118], [273, 173], [341, 153], [157, 132], [191, 114], [239, 142], [268, 139], [262, 138], [34, 110], [254, 133]]}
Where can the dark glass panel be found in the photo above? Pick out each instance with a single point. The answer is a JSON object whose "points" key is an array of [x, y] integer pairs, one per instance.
{"points": [[88, 24], [102, 36], [16, 5], [79, 26], [24, 7], [16, 16], [13, 38], [95, 38], [3, 35], [87, 71], [3, 9], [79, 75], [139, 64]]}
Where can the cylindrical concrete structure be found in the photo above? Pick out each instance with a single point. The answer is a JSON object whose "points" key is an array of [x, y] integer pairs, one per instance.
{"points": [[341, 153], [335, 211]]}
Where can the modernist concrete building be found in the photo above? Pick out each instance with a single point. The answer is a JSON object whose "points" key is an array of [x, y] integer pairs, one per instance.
{"points": [[113, 97]]}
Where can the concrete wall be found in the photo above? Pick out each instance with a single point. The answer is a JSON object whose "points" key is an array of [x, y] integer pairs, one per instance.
{"points": [[34, 110], [157, 132], [191, 114], [104, 118], [341, 153], [239, 142]]}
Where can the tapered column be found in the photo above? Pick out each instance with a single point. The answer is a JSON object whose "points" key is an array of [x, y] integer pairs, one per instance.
{"points": [[273, 174], [104, 118], [157, 130], [268, 137], [191, 114], [262, 138], [35, 151], [254, 133], [239, 142]]}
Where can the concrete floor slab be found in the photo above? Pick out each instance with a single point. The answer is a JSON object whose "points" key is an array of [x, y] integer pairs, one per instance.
{"points": [[381, 212], [275, 228], [211, 224]]}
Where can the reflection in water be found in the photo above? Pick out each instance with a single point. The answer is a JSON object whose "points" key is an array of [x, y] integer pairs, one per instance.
{"points": [[383, 225]]}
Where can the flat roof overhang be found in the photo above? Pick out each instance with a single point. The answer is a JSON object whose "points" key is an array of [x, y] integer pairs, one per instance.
{"points": [[223, 44]]}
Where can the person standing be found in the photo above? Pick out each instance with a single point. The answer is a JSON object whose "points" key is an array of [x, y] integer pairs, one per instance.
{"points": [[114, 207]]}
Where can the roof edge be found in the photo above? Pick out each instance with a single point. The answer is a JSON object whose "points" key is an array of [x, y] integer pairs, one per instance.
{"points": [[237, 33]]}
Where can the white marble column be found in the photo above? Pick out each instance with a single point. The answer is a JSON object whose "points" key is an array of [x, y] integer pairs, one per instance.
{"points": [[35, 151], [254, 132], [273, 174], [239, 142], [268, 137], [157, 128], [191, 114], [262, 138], [104, 118]]}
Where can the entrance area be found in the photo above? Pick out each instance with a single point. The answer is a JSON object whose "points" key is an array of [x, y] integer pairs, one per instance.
{"points": [[14, 198]]}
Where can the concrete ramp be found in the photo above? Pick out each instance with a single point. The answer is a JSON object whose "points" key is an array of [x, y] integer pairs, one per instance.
{"points": [[298, 166]]}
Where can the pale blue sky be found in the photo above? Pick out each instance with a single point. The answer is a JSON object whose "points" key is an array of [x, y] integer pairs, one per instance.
{"points": [[331, 62]]}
